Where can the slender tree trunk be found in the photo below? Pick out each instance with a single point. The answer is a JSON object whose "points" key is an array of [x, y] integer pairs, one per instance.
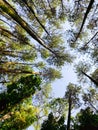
{"points": [[93, 107], [93, 80], [85, 17], [16, 63], [4, 53], [6, 33], [37, 19], [17, 71], [50, 6], [62, 5], [90, 39], [7, 8], [69, 112]]}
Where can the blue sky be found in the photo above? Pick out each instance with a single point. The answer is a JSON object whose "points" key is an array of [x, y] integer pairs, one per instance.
{"points": [[59, 86]]}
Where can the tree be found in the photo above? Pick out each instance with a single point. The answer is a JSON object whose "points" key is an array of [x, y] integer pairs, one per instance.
{"points": [[13, 101], [41, 101], [20, 43], [84, 37], [86, 119], [18, 91], [82, 69], [85, 17], [72, 97], [58, 106], [20, 116], [53, 123], [90, 98], [21, 56]]}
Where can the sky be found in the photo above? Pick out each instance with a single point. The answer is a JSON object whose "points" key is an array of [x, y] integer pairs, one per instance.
{"points": [[59, 86]]}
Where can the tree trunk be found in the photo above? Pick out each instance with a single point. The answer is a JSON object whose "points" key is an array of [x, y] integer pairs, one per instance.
{"points": [[69, 112], [93, 80], [85, 17], [7, 8], [37, 19], [17, 71]]}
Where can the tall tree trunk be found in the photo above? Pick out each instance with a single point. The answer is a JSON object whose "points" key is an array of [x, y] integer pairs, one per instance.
{"points": [[90, 40], [17, 71], [85, 17], [93, 80], [7, 8], [51, 8], [69, 112], [37, 19], [62, 5]]}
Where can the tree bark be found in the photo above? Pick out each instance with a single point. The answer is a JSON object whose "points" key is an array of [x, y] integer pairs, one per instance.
{"points": [[17, 71], [90, 40], [7, 8], [85, 17], [93, 80], [37, 19], [69, 112]]}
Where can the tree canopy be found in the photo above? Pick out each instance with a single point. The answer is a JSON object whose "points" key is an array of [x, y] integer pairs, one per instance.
{"points": [[37, 39]]}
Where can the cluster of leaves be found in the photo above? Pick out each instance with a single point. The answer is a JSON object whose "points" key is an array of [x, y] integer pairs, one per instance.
{"points": [[86, 119], [21, 116], [16, 109], [53, 124], [18, 91]]}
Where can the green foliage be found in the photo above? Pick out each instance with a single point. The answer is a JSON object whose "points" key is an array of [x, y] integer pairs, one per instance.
{"points": [[44, 53], [95, 74], [20, 117], [50, 74], [58, 106], [53, 124], [82, 67], [86, 119], [30, 34], [16, 92], [59, 60], [72, 91]]}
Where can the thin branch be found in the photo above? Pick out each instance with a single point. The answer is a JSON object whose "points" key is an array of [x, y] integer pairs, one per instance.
{"points": [[90, 39], [2, 30], [93, 106], [8, 54], [6, 23]]}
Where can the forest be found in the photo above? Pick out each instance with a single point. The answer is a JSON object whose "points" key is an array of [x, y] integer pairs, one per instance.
{"points": [[38, 38]]}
